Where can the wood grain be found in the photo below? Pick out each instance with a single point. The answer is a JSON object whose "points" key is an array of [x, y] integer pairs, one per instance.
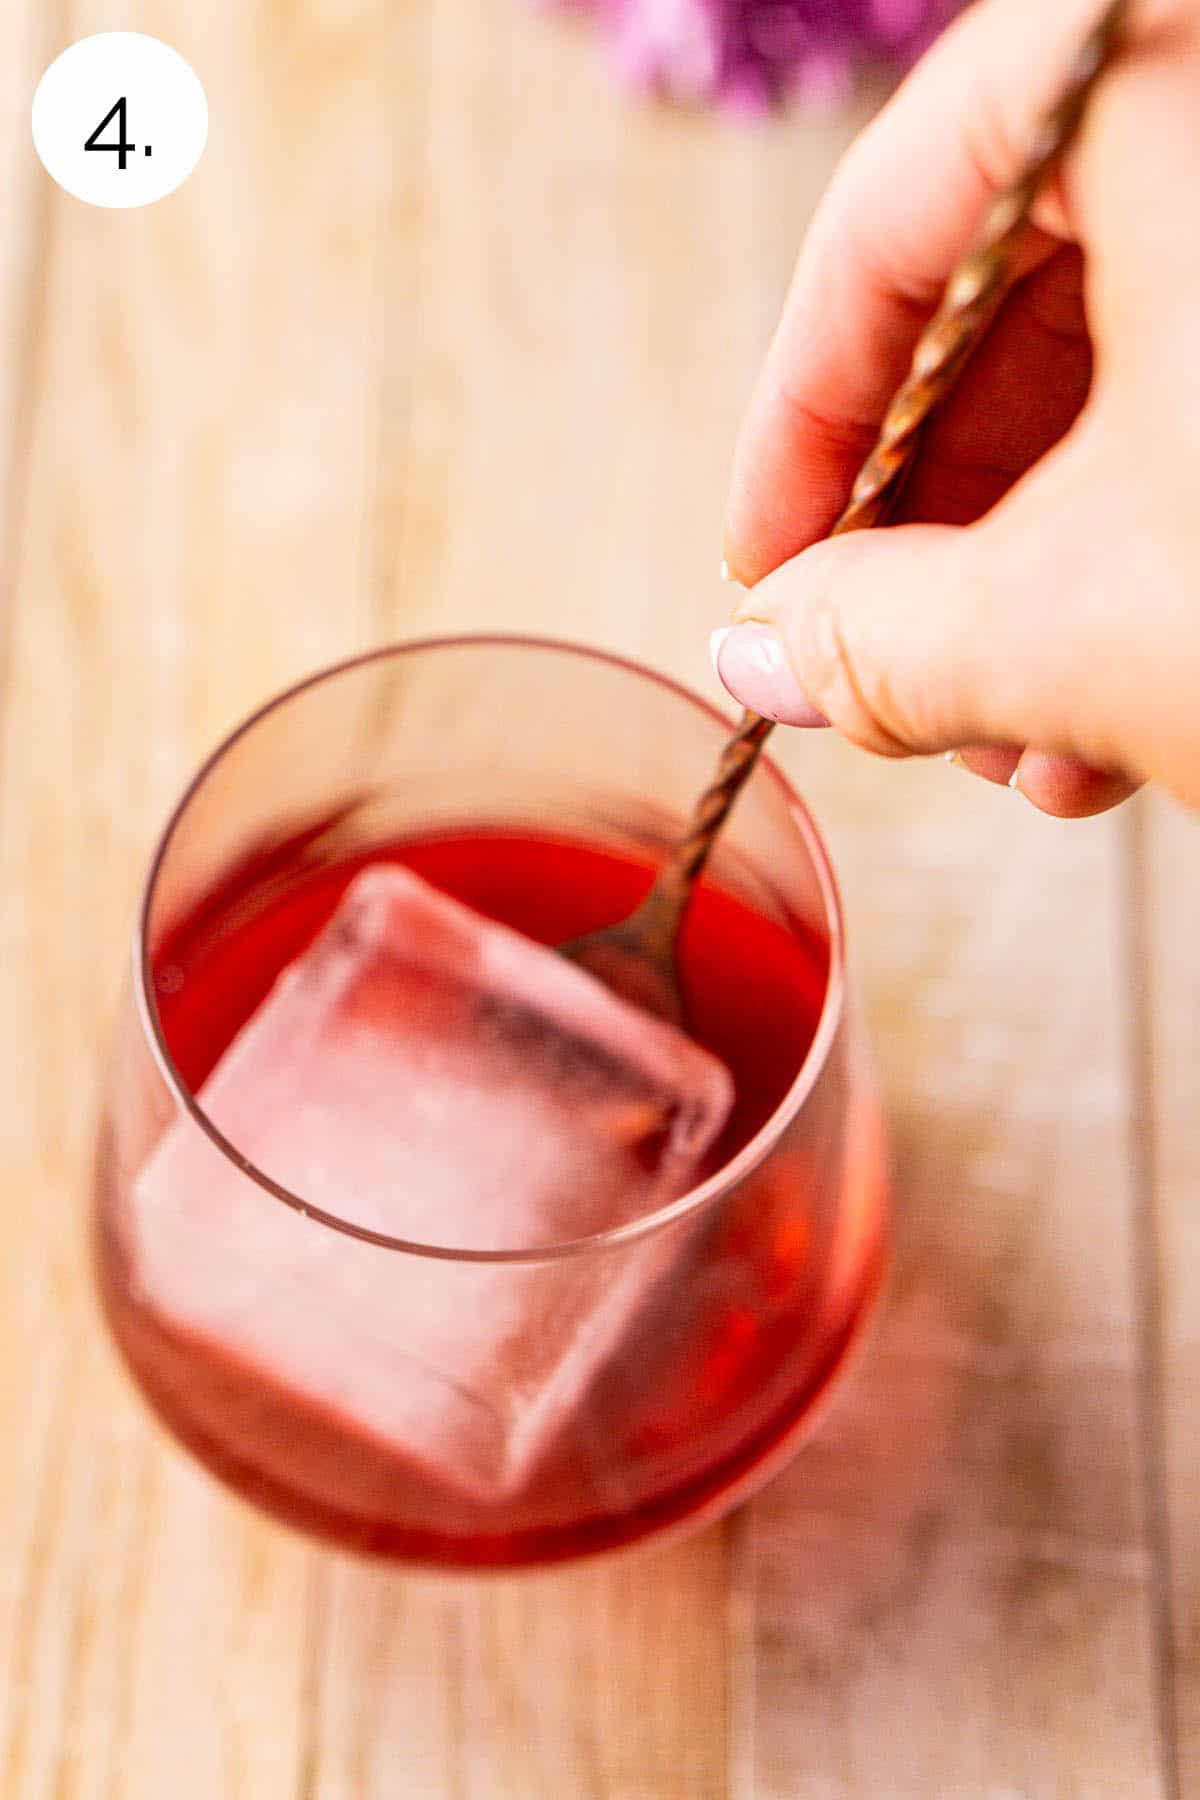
{"points": [[1170, 992], [953, 1582], [601, 1681], [157, 1635], [478, 363]]}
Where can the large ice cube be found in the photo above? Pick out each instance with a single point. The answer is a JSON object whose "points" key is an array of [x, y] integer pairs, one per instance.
{"points": [[429, 1074]]}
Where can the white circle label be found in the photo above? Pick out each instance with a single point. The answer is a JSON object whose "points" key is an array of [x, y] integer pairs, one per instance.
{"points": [[120, 119]]}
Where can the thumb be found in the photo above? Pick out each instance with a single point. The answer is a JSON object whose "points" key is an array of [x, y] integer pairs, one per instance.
{"points": [[921, 638]]}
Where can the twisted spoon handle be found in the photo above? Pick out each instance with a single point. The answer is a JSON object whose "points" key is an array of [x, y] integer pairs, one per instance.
{"points": [[971, 299]]}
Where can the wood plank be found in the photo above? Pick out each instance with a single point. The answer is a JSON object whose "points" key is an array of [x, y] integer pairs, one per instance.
{"points": [[560, 402], [194, 535], [34, 1388], [600, 1682], [22, 244], [557, 415], [595, 281], [952, 1584], [1171, 901]]}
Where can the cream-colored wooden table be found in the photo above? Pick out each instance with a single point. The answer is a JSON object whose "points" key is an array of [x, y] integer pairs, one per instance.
{"points": [[442, 335]]}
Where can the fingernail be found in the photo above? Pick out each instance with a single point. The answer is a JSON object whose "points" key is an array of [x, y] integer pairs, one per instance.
{"points": [[750, 663], [1014, 780], [725, 575], [714, 646]]}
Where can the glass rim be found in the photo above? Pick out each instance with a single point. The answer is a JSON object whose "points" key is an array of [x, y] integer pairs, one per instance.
{"points": [[696, 1199]]}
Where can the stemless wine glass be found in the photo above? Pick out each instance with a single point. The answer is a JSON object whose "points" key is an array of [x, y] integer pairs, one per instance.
{"points": [[483, 1400]]}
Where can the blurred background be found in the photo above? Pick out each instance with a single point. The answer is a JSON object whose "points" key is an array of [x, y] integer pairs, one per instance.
{"points": [[448, 330]]}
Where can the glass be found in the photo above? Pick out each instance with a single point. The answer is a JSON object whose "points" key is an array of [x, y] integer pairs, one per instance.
{"points": [[350, 1380]]}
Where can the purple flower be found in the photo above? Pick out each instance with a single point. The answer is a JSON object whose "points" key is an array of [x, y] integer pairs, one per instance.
{"points": [[751, 53]]}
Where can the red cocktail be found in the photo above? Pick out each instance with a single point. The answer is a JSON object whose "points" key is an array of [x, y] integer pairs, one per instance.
{"points": [[482, 1390]]}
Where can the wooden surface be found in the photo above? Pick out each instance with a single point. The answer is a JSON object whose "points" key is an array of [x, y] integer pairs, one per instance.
{"points": [[443, 334]]}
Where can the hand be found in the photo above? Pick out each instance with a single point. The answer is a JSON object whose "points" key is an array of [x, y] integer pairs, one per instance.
{"points": [[1039, 602]]}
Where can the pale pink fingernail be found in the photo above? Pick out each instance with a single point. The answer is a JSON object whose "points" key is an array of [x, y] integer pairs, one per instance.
{"points": [[714, 646], [750, 662]]}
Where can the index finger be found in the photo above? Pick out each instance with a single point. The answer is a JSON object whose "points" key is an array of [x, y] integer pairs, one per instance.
{"points": [[900, 212]]}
